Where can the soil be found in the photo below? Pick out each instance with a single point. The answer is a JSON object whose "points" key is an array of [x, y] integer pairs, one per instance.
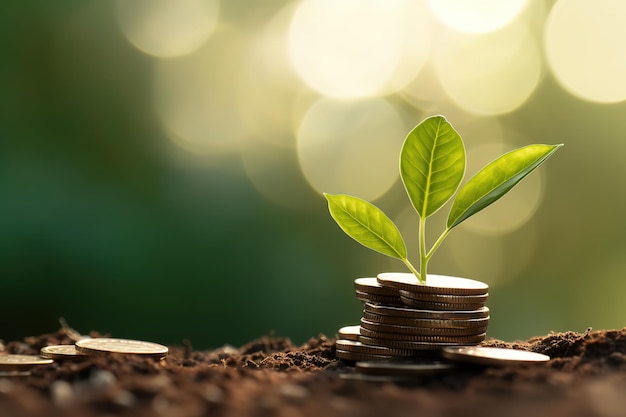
{"points": [[271, 377]]}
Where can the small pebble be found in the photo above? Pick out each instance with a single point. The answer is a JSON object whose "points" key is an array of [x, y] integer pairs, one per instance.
{"points": [[293, 391], [62, 393]]}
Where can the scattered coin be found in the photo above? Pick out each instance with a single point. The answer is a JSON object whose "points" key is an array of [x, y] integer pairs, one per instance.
{"points": [[355, 356], [446, 299], [62, 352], [435, 284], [398, 368], [403, 331], [22, 362], [493, 356], [401, 344], [407, 312], [349, 332], [99, 346], [425, 323], [358, 347], [466, 339], [438, 306], [371, 286], [375, 298]]}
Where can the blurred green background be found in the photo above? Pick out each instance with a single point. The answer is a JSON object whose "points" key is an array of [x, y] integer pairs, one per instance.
{"points": [[162, 162]]}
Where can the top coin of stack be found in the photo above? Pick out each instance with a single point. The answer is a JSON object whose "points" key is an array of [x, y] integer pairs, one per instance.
{"points": [[403, 318]]}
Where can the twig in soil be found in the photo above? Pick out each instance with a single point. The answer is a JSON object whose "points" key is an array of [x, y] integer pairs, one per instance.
{"points": [[188, 348], [69, 332]]}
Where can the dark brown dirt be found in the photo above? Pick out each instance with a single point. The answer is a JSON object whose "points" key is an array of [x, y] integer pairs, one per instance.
{"points": [[272, 377]]}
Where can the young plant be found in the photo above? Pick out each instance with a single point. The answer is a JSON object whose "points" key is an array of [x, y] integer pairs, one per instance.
{"points": [[432, 166]]}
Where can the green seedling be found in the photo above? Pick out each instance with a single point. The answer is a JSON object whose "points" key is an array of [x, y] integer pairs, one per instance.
{"points": [[432, 166]]}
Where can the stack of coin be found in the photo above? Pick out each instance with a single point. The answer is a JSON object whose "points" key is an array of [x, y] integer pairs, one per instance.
{"points": [[405, 319]]}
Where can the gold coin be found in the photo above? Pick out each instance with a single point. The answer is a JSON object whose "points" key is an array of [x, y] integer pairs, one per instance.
{"points": [[438, 306], [401, 344], [62, 352], [398, 368], [22, 362], [399, 323], [493, 356], [435, 284], [358, 347], [401, 331], [375, 298], [354, 356], [444, 298], [465, 339], [407, 312], [349, 333], [99, 346], [371, 286]]}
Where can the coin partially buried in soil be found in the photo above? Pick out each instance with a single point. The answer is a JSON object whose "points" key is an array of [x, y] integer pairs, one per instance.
{"points": [[102, 346], [358, 347], [405, 368], [493, 356], [22, 362]]}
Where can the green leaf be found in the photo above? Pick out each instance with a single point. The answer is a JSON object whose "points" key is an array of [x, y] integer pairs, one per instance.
{"points": [[496, 179], [367, 224], [432, 164]]}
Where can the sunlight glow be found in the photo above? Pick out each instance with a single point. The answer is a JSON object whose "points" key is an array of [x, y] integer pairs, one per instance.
{"points": [[477, 16], [351, 147], [489, 74], [194, 95], [275, 174], [167, 28], [359, 48], [585, 47], [269, 90]]}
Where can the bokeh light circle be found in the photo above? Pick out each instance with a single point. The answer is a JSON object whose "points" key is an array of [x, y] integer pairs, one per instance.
{"points": [[359, 48], [351, 147], [195, 95], [489, 74], [167, 28], [477, 16], [585, 48]]}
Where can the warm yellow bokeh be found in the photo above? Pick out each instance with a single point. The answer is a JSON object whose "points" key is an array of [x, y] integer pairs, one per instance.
{"points": [[586, 48], [196, 95], [477, 16], [167, 28], [351, 147], [359, 48], [489, 74]]}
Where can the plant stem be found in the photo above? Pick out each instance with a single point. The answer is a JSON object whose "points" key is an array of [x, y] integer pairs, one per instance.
{"points": [[437, 244], [422, 247], [412, 269]]}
